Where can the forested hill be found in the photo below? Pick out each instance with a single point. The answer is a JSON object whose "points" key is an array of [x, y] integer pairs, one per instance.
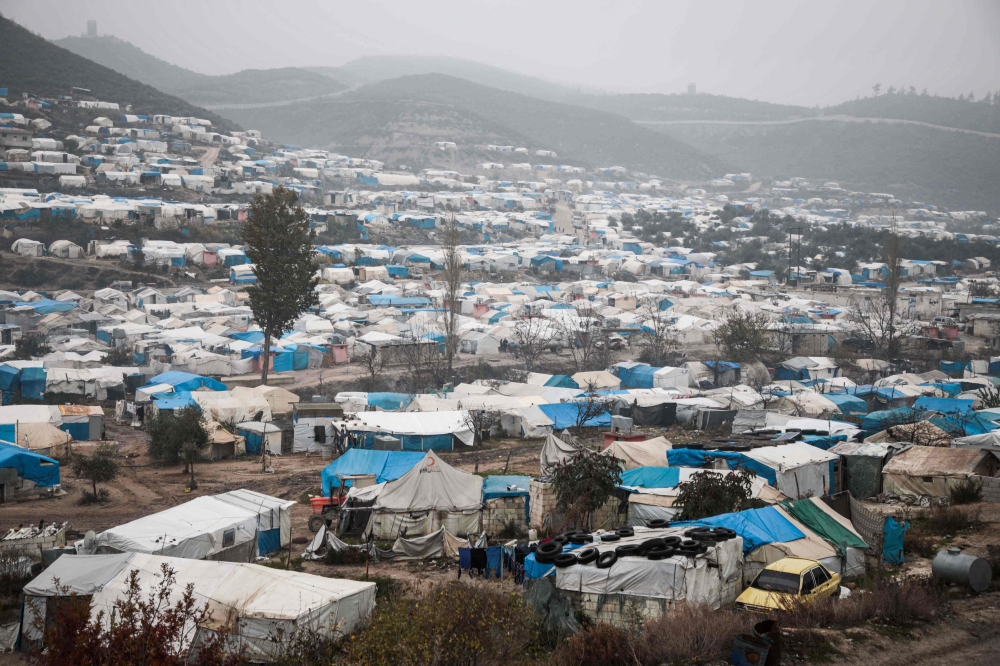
{"points": [[31, 64]]}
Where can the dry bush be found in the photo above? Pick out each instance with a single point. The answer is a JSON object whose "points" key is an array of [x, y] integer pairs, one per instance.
{"points": [[691, 633], [888, 601], [600, 645], [449, 625], [966, 492], [952, 519]]}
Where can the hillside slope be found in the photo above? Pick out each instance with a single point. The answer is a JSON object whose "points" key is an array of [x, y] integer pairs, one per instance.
{"points": [[372, 69], [939, 167], [31, 64], [247, 86], [651, 107], [434, 107], [945, 111]]}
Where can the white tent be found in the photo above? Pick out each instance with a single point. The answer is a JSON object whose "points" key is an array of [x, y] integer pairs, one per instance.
{"points": [[279, 399], [554, 452], [226, 526], [65, 249], [27, 247], [648, 453], [418, 424], [668, 377], [259, 605], [801, 470], [601, 379], [432, 495]]}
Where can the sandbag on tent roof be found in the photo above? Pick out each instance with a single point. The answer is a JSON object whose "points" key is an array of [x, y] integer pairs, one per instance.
{"points": [[419, 431], [385, 465], [260, 605], [185, 381], [648, 453], [565, 415]]}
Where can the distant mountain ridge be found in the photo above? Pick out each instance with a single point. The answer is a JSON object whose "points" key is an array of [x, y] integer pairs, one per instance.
{"points": [[247, 86], [34, 65], [434, 107]]}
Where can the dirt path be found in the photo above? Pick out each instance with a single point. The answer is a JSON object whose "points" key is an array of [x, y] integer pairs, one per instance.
{"points": [[842, 119], [209, 156]]}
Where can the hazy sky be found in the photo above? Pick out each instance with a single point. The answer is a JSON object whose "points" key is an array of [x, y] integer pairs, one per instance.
{"points": [[808, 52]]}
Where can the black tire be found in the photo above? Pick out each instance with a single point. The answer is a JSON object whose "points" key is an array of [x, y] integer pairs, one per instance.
{"points": [[625, 532], [610, 537], [580, 539], [316, 522], [658, 523], [690, 544], [564, 560], [607, 559], [650, 544], [672, 541], [587, 555], [660, 553], [628, 550], [549, 549]]}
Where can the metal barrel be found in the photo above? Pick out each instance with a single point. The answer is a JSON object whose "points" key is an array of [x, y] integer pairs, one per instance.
{"points": [[952, 566]]}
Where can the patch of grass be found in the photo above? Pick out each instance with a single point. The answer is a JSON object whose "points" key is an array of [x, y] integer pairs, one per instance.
{"points": [[511, 530], [281, 561], [345, 556], [950, 520], [890, 602], [813, 645], [857, 636]]}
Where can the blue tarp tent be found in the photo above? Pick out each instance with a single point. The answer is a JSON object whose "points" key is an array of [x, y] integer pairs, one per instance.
{"points": [[495, 487], [185, 381], [172, 401], [954, 367], [385, 465], [878, 421], [951, 388], [825, 442], [640, 376], [29, 465], [46, 306], [10, 378], [33, 383], [390, 402], [699, 458], [848, 404], [651, 477], [562, 381], [943, 405], [253, 337], [758, 527], [565, 414]]}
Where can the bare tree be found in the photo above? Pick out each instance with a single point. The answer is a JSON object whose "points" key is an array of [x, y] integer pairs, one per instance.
{"points": [[480, 421], [452, 275], [426, 367], [589, 343], [877, 316], [531, 335], [590, 407], [743, 336], [373, 360], [658, 338]]}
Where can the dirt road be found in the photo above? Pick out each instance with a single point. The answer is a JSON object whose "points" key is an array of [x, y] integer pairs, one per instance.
{"points": [[841, 119]]}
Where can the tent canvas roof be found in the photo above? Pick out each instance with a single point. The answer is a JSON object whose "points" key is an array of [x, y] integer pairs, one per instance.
{"points": [[934, 461], [432, 485]]}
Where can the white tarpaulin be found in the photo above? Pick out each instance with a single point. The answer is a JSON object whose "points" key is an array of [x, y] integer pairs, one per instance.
{"points": [[801, 470], [678, 578], [414, 423], [555, 451], [648, 453], [260, 606]]}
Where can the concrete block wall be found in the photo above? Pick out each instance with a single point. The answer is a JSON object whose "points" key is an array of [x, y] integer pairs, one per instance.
{"points": [[618, 609], [991, 488], [500, 511], [547, 519]]}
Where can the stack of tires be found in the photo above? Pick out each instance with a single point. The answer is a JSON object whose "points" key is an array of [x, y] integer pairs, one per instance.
{"points": [[694, 542]]}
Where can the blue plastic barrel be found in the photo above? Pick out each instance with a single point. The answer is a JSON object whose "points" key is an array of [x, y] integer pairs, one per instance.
{"points": [[748, 651]]}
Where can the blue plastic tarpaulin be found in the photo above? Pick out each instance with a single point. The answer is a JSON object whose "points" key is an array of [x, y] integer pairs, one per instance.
{"points": [[172, 401], [268, 541], [565, 415], [42, 470], [699, 458], [824, 442], [944, 405], [10, 378], [33, 383], [390, 402], [185, 381], [847, 403], [562, 381], [951, 388], [954, 367], [651, 477], [758, 527], [47, 307], [878, 421], [253, 337], [892, 540], [640, 376], [385, 465]]}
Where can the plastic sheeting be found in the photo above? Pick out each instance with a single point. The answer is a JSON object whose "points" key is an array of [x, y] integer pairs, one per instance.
{"points": [[758, 527], [699, 458], [554, 452], [822, 524], [648, 453], [385, 465], [41, 470], [892, 540], [565, 415], [185, 381], [651, 477]]}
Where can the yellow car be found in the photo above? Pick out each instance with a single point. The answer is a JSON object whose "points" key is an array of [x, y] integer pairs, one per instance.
{"points": [[780, 584]]}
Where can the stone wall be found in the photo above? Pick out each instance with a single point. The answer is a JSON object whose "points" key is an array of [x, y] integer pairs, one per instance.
{"points": [[626, 609], [503, 510], [991, 488], [548, 520]]}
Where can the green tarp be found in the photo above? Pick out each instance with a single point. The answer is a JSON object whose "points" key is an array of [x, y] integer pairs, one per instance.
{"points": [[822, 524]]}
